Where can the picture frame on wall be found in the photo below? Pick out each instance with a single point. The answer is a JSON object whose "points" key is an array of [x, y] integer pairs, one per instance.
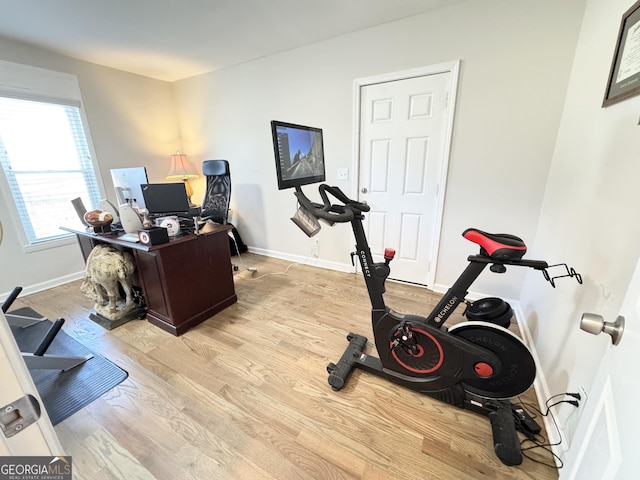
{"points": [[624, 75]]}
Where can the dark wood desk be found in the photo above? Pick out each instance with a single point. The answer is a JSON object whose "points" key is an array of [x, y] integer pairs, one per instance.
{"points": [[184, 281]]}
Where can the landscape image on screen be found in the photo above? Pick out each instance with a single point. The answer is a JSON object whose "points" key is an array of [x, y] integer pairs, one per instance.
{"points": [[300, 153]]}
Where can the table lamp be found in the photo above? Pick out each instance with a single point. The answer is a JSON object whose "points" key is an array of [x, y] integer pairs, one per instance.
{"points": [[181, 169]]}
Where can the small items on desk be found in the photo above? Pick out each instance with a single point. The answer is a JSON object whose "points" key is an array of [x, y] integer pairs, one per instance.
{"points": [[170, 223], [130, 219], [153, 235], [202, 226], [99, 220], [129, 237]]}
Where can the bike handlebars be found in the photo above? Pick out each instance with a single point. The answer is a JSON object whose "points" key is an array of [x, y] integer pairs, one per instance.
{"points": [[327, 211], [351, 209]]}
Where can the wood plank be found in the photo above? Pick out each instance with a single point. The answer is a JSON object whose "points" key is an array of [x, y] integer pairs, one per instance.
{"points": [[245, 394]]}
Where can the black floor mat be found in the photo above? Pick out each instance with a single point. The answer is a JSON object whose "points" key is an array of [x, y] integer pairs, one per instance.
{"points": [[64, 393]]}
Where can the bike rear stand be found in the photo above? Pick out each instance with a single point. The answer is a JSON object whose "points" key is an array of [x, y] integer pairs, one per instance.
{"points": [[506, 418]]}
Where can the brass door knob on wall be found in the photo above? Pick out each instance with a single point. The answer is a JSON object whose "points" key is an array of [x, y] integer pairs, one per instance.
{"points": [[594, 324]]}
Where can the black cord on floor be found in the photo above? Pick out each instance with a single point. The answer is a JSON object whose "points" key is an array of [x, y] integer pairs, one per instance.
{"points": [[542, 442]]}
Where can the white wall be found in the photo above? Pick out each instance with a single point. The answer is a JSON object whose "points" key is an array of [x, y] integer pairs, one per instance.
{"points": [[515, 64], [132, 122], [516, 58], [589, 214]]}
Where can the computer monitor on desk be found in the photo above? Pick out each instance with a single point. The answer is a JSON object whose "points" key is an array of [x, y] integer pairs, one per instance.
{"points": [[165, 199], [127, 183]]}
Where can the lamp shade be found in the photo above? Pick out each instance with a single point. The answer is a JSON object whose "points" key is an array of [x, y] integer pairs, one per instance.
{"points": [[181, 168]]}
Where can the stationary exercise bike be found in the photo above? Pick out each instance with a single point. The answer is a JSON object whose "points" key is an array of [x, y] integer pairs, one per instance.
{"points": [[475, 365]]}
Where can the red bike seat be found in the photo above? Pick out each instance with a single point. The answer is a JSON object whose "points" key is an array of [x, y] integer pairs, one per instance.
{"points": [[497, 245]]}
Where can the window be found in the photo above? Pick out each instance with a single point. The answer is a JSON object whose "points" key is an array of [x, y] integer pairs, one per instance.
{"points": [[46, 161], [45, 155]]}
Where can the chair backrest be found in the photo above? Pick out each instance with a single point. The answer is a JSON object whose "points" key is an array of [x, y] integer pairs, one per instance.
{"points": [[218, 194]]}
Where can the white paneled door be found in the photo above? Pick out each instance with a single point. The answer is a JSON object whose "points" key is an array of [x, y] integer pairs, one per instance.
{"points": [[605, 446], [404, 135]]}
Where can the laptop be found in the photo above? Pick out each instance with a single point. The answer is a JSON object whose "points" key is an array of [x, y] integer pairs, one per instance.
{"points": [[164, 199]]}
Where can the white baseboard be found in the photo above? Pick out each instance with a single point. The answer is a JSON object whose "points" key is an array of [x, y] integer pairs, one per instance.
{"points": [[309, 260], [39, 287], [541, 387]]}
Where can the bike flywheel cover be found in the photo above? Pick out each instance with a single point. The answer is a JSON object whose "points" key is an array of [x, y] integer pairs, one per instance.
{"points": [[518, 368]]}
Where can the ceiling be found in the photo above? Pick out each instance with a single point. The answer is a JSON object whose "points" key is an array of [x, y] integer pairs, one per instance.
{"points": [[174, 39]]}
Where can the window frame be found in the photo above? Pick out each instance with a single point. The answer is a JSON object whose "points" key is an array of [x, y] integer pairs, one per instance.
{"points": [[25, 82]]}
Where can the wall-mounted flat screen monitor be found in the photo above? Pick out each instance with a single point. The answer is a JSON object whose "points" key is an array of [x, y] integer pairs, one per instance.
{"points": [[127, 182], [166, 198], [299, 154]]}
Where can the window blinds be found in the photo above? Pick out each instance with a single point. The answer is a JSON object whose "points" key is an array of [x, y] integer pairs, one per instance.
{"points": [[44, 152]]}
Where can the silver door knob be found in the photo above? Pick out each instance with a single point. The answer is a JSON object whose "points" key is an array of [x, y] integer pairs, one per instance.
{"points": [[364, 190], [594, 324]]}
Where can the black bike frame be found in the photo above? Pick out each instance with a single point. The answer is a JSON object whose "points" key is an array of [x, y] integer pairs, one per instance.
{"points": [[375, 275]]}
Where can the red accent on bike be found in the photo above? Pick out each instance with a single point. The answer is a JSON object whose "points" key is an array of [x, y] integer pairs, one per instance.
{"points": [[483, 370], [421, 352], [389, 253]]}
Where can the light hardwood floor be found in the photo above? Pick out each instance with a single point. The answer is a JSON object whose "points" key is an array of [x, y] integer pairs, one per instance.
{"points": [[245, 395]]}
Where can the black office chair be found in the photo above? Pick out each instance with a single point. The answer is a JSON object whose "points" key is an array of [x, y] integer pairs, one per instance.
{"points": [[217, 197], [215, 205]]}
